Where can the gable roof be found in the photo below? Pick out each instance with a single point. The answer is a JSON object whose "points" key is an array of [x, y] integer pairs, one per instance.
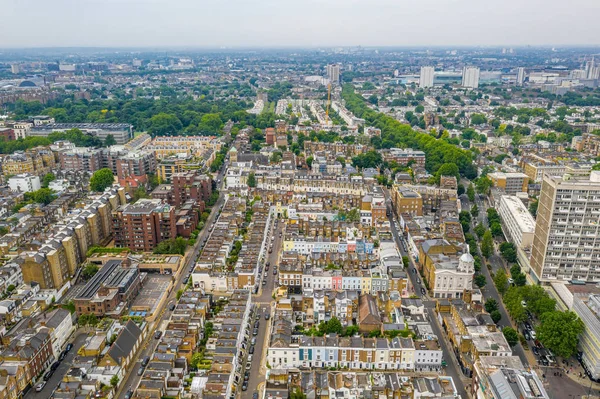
{"points": [[125, 342]]}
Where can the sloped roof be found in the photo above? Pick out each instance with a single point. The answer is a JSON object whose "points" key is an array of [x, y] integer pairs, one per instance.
{"points": [[125, 342]]}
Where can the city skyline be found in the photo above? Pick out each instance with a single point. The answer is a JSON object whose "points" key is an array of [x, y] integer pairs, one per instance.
{"points": [[112, 23]]}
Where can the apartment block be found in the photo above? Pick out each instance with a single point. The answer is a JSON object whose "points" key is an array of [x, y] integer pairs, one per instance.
{"points": [[24, 183], [519, 225], [448, 271], [565, 243], [144, 224], [510, 183], [408, 201], [38, 161], [121, 132], [81, 159], [404, 156], [588, 310]]}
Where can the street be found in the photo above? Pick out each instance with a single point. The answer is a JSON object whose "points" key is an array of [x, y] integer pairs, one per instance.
{"points": [[149, 345], [60, 372], [263, 304]]}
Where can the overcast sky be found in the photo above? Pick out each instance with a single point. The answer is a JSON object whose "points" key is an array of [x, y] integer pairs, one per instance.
{"points": [[264, 23]]}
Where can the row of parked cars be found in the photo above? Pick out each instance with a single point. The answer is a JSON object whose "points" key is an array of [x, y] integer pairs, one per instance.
{"points": [[53, 368]]}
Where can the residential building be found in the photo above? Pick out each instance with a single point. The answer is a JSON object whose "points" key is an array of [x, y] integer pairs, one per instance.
{"points": [[408, 201], [588, 310], [426, 76], [448, 271], [506, 378], [565, 243], [81, 159], [38, 161], [24, 183], [518, 224], [520, 76], [7, 134], [470, 77], [144, 224], [333, 73], [31, 346], [511, 183], [404, 156], [59, 323]]}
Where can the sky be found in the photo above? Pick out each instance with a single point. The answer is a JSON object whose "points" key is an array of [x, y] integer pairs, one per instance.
{"points": [[297, 23]]}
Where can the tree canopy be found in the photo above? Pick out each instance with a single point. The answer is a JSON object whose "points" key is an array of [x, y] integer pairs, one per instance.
{"points": [[101, 179], [559, 331]]}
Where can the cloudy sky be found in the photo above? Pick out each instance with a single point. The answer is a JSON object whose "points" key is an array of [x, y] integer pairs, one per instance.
{"points": [[265, 23]]}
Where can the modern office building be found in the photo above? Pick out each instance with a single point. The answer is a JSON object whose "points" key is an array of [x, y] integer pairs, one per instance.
{"points": [[517, 222], [566, 244], [426, 77], [520, 76], [333, 73], [144, 224], [470, 77]]}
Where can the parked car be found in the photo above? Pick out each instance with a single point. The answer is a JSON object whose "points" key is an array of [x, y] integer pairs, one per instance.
{"points": [[255, 395], [246, 375], [511, 281], [140, 371], [245, 386], [172, 307], [251, 351], [40, 386], [256, 324], [532, 333], [418, 281], [54, 366], [423, 292], [535, 351], [129, 394], [550, 359], [264, 282], [543, 361], [157, 334], [145, 361], [527, 336], [253, 341], [48, 375], [255, 332], [267, 316], [62, 356], [274, 271]]}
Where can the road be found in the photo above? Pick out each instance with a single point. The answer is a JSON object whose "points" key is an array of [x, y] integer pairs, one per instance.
{"points": [[263, 303], [132, 380], [452, 369], [60, 372]]}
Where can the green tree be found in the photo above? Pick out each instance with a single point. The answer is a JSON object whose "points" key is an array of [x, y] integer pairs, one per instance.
{"points": [[509, 253], [309, 161], [480, 280], [478, 119], [405, 261], [533, 206], [559, 331], [114, 381], [41, 196], [109, 140], [487, 244], [101, 179], [47, 179], [447, 169], [483, 185], [491, 305], [297, 394], [480, 230], [163, 124], [350, 331], [496, 229], [496, 316], [513, 302], [501, 282], [196, 360], [511, 335], [89, 271], [251, 180], [471, 192], [474, 210]]}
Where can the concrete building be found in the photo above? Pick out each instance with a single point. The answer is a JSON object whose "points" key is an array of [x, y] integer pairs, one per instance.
{"points": [[505, 377], [426, 76], [81, 159], [565, 244], [144, 224], [333, 73], [448, 272], [520, 76], [470, 77], [121, 132], [24, 183], [588, 310], [510, 183], [518, 224]]}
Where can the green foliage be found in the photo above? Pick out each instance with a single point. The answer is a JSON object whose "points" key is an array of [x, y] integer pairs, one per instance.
{"points": [[251, 180], [101, 179], [395, 134], [478, 119], [353, 215], [471, 192], [331, 326], [163, 124], [533, 206], [480, 280], [179, 294], [491, 305], [309, 161], [41, 196], [109, 140], [405, 261], [89, 271], [496, 315], [114, 381], [501, 282], [480, 230], [370, 159], [196, 360], [297, 394], [487, 244], [88, 320], [172, 246], [511, 335], [483, 185], [447, 169], [559, 331], [508, 251], [47, 179], [474, 210], [76, 137], [70, 306]]}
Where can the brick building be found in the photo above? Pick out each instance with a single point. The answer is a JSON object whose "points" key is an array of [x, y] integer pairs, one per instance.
{"points": [[142, 225]]}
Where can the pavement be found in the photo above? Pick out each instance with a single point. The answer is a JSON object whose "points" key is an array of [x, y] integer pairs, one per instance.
{"points": [[131, 380], [60, 372]]}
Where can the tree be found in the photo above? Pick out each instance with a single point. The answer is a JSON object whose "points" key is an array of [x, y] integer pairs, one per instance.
{"points": [[533, 206], [513, 302], [447, 169], [491, 305], [507, 249], [471, 192], [478, 119], [114, 381], [559, 331], [496, 316], [496, 229], [101, 179], [405, 261], [41, 196], [89, 271], [47, 179], [297, 394], [487, 244], [483, 185], [480, 230], [501, 282], [474, 210], [163, 124], [520, 280], [171, 246], [350, 331], [309, 161], [511, 335], [251, 180], [480, 280], [110, 140], [196, 360]]}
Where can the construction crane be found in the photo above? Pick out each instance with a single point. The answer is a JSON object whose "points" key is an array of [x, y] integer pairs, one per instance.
{"points": [[328, 101]]}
